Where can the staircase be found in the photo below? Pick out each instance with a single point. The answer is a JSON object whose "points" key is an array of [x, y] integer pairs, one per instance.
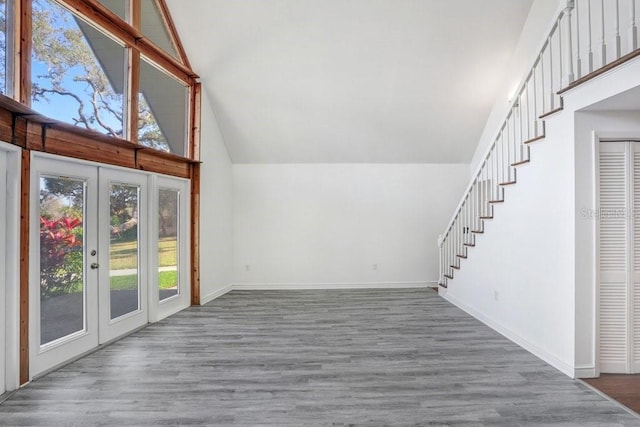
{"points": [[586, 40]]}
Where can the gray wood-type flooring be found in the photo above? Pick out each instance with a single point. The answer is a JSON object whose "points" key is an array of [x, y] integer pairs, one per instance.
{"points": [[336, 358]]}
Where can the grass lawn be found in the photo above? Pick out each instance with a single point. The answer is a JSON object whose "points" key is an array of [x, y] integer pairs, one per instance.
{"points": [[123, 254], [167, 279]]}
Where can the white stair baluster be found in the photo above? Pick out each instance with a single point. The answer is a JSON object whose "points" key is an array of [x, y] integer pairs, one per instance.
{"points": [[603, 46], [616, 23], [567, 50], [633, 29], [589, 39]]}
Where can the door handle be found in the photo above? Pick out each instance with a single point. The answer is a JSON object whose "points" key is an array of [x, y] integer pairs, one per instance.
{"points": [[94, 265]]}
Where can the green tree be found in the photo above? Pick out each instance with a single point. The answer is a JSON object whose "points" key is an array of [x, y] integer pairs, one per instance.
{"points": [[66, 67]]}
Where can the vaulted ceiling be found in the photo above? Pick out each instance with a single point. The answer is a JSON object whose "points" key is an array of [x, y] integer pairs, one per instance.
{"points": [[383, 81]]}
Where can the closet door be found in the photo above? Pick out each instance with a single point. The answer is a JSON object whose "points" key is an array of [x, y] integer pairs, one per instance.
{"points": [[619, 256], [634, 288], [613, 257]]}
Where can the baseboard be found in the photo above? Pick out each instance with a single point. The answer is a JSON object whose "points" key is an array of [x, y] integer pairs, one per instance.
{"points": [[315, 286], [216, 294], [587, 371], [522, 342]]}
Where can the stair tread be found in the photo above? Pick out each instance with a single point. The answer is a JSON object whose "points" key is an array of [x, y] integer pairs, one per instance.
{"points": [[537, 138], [471, 245], [521, 162], [496, 201], [507, 183]]}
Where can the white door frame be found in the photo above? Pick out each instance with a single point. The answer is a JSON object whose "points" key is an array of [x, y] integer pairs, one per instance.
{"points": [[111, 329], [158, 310], [598, 138], [10, 263]]}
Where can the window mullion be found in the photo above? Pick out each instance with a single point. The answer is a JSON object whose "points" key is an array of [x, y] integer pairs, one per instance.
{"points": [[22, 45], [133, 88]]}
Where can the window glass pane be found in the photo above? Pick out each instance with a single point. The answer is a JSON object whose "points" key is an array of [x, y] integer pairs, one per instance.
{"points": [[77, 73], [61, 257], [168, 260], [4, 45], [123, 250], [153, 26], [162, 105], [119, 7]]}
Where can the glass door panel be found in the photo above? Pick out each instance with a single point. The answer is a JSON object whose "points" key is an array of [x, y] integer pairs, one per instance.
{"points": [[168, 237], [62, 263], [124, 247], [171, 242]]}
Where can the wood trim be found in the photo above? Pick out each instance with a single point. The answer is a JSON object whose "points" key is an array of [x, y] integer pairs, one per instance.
{"points": [[6, 126], [25, 185], [165, 61], [99, 15], [549, 113], [195, 234], [135, 10], [470, 245], [448, 276], [507, 183], [496, 201], [173, 32], [455, 266], [477, 231], [537, 138], [111, 23], [462, 256], [195, 117], [133, 88], [22, 82], [629, 56], [521, 162], [444, 285], [486, 217]]}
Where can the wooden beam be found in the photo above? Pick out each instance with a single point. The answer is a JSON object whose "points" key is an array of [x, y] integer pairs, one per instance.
{"points": [[133, 88], [151, 160], [92, 11], [25, 179], [136, 14], [22, 81], [195, 234], [195, 112]]}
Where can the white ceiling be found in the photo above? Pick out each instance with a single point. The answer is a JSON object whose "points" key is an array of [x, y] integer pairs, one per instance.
{"points": [[383, 81]]}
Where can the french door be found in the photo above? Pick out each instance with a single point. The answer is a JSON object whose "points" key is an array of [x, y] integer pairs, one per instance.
{"points": [[619, 256], [98, 270]]}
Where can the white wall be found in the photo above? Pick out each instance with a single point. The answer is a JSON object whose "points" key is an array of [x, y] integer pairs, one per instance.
{"points": [[216, 215], [328, 224], [539, 21], [519, 278]]}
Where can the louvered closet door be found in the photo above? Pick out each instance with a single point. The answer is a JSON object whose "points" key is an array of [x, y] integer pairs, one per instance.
{"points": [[634, 289], [619, 256], [613, 257]]}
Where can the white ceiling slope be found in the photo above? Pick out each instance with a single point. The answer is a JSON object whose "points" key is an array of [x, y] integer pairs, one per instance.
{"points": [[326, 81]]}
